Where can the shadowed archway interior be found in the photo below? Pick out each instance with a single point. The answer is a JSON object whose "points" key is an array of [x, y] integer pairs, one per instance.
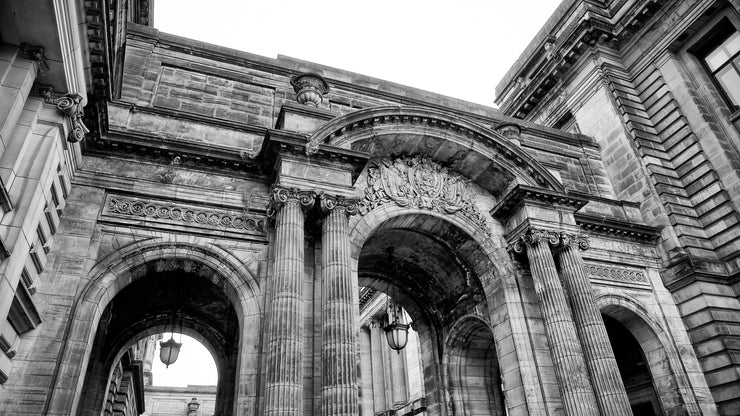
{"points": [[196, 305]]}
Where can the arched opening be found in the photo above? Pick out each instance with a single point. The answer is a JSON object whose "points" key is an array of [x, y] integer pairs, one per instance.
{"points": [[473, 370], [176, 293], [431, 278], [634, 369]]}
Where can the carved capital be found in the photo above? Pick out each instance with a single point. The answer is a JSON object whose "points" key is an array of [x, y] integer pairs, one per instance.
{"points": [[36, 54], [280, 196], [71, 106], [329, 203], [568, 240]]}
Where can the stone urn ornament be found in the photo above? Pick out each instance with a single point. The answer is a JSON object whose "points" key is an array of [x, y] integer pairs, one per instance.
{"points": [[310, 88]]}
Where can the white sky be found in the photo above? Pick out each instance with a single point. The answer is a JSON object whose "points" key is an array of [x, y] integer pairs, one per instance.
{"points": [[194, 365], [461, 49]]}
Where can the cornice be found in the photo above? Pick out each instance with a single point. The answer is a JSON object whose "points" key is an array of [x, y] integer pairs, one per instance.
{"points": [[520, 194], [522, 95], [617, 228]]}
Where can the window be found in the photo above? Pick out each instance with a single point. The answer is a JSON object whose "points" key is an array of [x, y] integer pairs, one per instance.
{"points": [[724, 63]]}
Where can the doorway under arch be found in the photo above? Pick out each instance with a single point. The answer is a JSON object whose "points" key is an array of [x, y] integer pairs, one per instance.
{"points": [[165, 297]]}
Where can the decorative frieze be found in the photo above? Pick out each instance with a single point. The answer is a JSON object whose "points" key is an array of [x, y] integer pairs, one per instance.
{"points": [[419, 182], [71, 106], [176, 213], [616, 273]]}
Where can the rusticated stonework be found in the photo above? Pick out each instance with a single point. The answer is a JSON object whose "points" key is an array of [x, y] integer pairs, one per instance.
{"points": [[419, 182], [183, 214]]}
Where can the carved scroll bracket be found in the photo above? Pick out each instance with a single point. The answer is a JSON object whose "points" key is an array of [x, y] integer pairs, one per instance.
{"points": [[71, 106], [419, 182]]}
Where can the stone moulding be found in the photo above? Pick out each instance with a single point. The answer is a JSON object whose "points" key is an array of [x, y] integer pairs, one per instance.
{"points": [[619, 274], [419, 182], [184, 214]]}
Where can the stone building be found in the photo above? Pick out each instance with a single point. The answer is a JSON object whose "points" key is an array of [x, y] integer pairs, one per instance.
{"points": [[152, 182]]}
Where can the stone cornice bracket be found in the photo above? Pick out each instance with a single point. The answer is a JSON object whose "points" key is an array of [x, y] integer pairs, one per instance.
{"points": [[71, 106], [519, 194], [328, 203], [281, 195], [36, 54], [310, 88]]}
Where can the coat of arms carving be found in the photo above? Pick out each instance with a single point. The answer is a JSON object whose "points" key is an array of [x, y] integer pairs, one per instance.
{"points": [[419, 182]]}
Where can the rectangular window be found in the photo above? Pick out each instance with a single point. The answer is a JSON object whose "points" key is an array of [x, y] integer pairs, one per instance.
{"points": [[724, 63]]}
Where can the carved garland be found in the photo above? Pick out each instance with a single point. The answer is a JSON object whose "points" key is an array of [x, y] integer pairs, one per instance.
{"points": [[154, 210], [71, 106], [419, 182]]}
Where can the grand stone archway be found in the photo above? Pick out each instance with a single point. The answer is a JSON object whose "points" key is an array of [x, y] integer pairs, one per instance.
{"points": [[222, 297]]}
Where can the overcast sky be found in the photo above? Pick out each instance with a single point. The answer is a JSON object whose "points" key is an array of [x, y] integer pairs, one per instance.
{"points": [[461, 49], [458, 48]]}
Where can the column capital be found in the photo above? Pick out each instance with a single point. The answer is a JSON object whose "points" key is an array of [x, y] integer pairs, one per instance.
{"points": [[328, 203], [558, 240], [281, 195]]}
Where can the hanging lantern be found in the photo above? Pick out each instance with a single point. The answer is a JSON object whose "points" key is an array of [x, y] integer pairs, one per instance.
{"points": [[397, 335], [169, 350]]}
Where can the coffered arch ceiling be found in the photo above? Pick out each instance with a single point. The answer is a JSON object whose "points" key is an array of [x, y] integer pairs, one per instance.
{"points": [[474, 151]]}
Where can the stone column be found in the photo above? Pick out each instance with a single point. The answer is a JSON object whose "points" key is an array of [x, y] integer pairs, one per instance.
{"points": [[570, 368], [284, 379], [602, 366], [339, 393]]}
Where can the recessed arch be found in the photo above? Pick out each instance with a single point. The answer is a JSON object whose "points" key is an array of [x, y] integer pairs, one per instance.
{"points": [[661, 357], [469, 148], [195, 255]]}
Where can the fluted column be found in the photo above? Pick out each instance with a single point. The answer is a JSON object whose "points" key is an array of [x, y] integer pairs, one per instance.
{"points": [[602, 366], [570, 368], [338, 344], [284, 381]]}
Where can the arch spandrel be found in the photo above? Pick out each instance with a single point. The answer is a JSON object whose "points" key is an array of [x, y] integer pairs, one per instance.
{"points": [[472, 150]]}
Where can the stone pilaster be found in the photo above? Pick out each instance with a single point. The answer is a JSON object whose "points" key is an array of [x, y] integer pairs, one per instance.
{"points": [[602, 366], [284, 379], [338, 342], [570, 367]]}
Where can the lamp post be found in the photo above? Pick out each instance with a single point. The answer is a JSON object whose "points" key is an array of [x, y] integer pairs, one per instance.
{"points": [[396, 332]]}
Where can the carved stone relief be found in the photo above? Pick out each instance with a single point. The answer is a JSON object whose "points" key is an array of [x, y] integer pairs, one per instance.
{"points": [[419, 182]]}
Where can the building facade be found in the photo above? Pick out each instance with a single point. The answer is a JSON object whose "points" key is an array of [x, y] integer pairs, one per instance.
{"points": [[269, 208], [656, 84]]}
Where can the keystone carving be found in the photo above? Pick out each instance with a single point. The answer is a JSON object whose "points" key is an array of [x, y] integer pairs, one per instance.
{"points": [[310, 88], [71, 106], [419, 182]]}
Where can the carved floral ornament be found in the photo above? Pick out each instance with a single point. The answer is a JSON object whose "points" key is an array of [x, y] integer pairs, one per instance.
{"points": [[556, 240], [419, 182], [71, 106]]}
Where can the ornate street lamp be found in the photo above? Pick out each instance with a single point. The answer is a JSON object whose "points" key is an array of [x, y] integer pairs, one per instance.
{"points": [[396, 332], [169, 350]]}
